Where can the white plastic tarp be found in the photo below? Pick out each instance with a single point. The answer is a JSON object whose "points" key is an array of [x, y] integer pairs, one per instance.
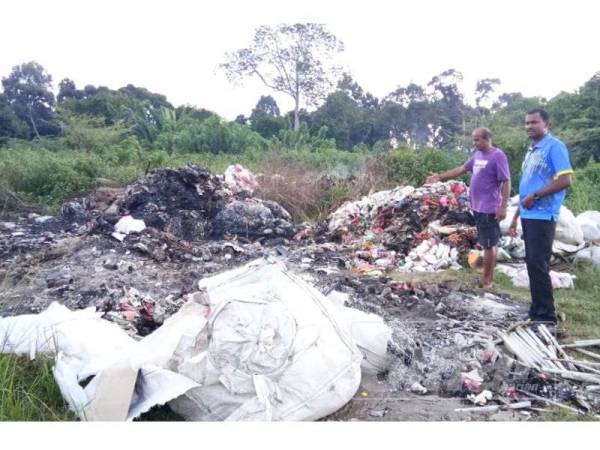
{"points": [[589, 221]]}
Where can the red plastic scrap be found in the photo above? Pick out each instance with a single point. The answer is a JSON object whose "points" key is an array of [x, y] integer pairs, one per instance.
{"points": [[457, 188], [511, 392], [300, 235], [147, 310], [383, 218], [355, 220], [423, 236], [490, 356], [130, 315], [347, 238], [469, 383], [415, 284], [364, 267]]}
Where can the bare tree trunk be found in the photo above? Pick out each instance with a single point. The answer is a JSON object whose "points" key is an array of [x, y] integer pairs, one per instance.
{"points": [[35, 130], [297, 102], [296, 116]]}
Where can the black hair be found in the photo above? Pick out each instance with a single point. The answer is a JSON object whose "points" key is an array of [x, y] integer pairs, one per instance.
{"points": [[542, 112]]}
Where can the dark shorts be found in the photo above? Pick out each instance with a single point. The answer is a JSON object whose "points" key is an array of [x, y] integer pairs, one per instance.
{"points": [[488, 229]]}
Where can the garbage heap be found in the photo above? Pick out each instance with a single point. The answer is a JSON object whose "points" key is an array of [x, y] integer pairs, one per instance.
{"points": [[424, 229], [193, 204]]}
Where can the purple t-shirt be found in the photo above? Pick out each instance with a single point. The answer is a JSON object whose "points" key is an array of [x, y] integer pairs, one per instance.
{"points": [[489, 170]]}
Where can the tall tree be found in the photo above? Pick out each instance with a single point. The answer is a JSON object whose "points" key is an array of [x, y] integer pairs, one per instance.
{"points": [[296, 60], [407, 111], [10, 125], [484, 90], [266, 119], [358, 94], [448, 107], [346, 121], [268, 105], [28, 90], [67, 89]]}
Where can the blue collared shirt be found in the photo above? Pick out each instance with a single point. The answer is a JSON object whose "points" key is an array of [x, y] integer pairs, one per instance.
{"points": [[544, 162]]}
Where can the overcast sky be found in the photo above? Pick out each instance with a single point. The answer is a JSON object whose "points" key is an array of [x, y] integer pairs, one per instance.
{"points": [[173, 47]]}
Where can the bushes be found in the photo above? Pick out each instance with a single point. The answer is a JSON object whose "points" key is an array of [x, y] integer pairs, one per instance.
{"points": [[407, 166], [211, 135], [44, 176], [513, 142], [584, 194], [288, 139]]}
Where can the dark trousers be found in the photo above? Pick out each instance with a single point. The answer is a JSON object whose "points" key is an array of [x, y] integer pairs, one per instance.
{"points": [[539, 236]]}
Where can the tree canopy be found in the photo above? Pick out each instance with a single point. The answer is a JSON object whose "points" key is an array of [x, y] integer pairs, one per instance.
{"points": [[295, 60]]}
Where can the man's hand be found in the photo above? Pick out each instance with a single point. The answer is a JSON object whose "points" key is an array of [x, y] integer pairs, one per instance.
{"points": [[528, 201], [501, 213], [433, 178]]}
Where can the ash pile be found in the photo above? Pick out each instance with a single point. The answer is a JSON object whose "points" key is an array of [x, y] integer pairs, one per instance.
{"points": [[135, 252], [194, 205]]}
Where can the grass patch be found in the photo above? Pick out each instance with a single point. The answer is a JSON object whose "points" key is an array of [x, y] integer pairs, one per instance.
{"points": [[563, 415], [28, 391], [582, 304]]}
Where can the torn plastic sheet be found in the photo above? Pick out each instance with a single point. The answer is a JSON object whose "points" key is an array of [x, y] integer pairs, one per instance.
{"points": [[254, 350], [128, 377]]}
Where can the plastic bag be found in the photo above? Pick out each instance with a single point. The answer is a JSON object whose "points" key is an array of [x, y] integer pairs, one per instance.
{"points": [[589, 221]]}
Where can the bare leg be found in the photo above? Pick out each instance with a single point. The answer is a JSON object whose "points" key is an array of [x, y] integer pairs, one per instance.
{"points": [[489, 262]]}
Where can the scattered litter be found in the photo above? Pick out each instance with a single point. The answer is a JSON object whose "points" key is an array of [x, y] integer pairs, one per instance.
{"points": [[482, 398], [418, 388], [377, 413], [128, 224], [520, 277]]}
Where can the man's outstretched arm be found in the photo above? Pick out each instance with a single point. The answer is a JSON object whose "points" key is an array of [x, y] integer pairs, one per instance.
{"points": [[448, 175]]}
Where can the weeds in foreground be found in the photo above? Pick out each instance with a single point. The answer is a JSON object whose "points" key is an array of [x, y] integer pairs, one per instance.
{"points": [[28, 391]]}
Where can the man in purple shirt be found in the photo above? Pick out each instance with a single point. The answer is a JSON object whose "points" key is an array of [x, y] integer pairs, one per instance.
{"points": [[489, 193]]}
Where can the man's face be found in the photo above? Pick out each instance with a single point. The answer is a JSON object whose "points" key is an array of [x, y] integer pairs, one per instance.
{"points": [[480, 142], [535, 126]]}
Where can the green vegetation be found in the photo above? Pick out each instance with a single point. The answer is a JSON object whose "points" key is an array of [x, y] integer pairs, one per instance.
{"points": [[563, 415], [54, 148], [28, 391]]}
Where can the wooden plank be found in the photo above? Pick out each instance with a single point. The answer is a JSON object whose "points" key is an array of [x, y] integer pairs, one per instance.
{"points": [[588, 353], [587, 343], [550, 402]]}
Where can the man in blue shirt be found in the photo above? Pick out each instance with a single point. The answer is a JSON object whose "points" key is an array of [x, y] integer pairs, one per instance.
{"points": [[546, 174]]}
